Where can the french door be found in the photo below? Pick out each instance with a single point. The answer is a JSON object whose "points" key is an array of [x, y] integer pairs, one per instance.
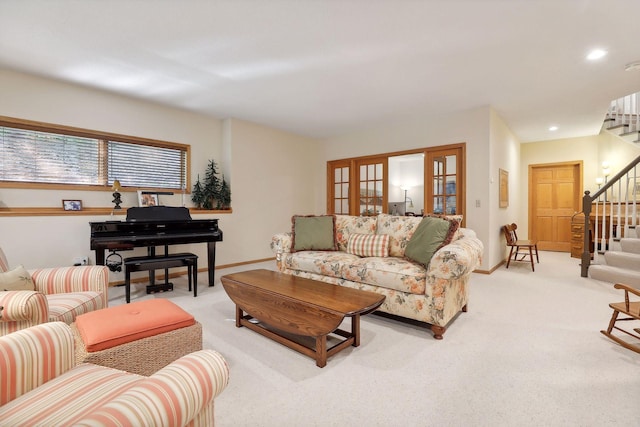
{"points": [[360, 186]]}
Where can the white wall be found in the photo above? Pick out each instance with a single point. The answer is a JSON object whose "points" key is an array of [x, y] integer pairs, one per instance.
{"points": [[268, 171], [271, 180], [505, 154], [419, 130]]}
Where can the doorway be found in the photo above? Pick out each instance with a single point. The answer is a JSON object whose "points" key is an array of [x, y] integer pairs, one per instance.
{"points": [[554, 196]]}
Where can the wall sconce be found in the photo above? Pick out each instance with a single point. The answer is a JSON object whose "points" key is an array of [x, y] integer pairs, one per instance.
{"points": [[116, 194]]}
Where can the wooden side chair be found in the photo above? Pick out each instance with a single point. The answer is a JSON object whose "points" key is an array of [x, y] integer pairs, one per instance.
{"points": [[524, 248], [628, 308]]}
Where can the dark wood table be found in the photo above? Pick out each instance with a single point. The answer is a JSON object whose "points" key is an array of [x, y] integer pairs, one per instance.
{"points": [[290, 305]]}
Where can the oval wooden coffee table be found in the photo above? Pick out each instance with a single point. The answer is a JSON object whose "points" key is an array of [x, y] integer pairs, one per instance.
{"points": [[290, 305]]}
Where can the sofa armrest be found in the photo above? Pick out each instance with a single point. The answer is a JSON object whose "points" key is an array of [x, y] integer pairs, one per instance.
{"points": [[173, 396], [22, 309], [31, 357], [281, 243], [457, 259], [72, 279]]}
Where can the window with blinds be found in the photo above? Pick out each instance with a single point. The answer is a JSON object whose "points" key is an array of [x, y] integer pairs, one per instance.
{"points": [[31, 155]]}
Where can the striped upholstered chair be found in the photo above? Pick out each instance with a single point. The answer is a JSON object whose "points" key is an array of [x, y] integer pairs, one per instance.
{"points": [[39, 385], [60, 294]]}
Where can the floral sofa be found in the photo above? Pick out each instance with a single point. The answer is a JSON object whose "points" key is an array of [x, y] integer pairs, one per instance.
{"points": [[40, 385], [433, 294]]}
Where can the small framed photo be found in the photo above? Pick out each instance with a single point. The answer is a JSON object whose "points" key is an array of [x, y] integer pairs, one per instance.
{"points": [[72, 205], [147, 199]]}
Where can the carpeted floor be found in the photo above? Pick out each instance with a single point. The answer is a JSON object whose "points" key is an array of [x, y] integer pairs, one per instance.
{"points": [[527, 353]]}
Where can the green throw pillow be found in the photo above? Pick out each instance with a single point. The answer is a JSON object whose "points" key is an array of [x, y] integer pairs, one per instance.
{"points": [[313, 233], [430, 235]]}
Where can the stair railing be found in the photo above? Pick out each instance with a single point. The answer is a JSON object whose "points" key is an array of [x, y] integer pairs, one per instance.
{"points": [[619, 201], [626, 111]]}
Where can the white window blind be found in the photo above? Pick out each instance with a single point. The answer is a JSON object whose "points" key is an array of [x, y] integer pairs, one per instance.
{"points": [[146, 166], [33, 156]]}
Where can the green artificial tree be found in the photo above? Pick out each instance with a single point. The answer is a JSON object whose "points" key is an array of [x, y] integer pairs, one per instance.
{"points": [[212, 185], [197, 195], [224, 202], [213, 192]]}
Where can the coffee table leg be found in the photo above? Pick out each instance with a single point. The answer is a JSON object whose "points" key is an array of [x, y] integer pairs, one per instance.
{"points": [[239, 315], [321, 351], [355, 330]]}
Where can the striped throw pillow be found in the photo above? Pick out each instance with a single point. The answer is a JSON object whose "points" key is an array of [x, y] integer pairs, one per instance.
{"points": [[368, 245]]}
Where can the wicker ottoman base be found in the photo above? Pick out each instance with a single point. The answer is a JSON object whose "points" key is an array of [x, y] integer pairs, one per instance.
{"points": [[144, 356]]}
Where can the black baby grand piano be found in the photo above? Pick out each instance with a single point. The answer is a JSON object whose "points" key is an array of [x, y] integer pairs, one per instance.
{"points": [[155, 226]]}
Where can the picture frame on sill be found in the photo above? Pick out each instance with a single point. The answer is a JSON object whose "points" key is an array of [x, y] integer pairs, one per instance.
{"points": [[72, 205], [147, 199]]}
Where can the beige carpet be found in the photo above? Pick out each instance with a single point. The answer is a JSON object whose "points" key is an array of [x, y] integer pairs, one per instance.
{"points": [[527, 353]]}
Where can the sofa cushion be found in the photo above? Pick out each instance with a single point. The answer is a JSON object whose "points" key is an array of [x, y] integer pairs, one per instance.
{"points": [[431, 235], [319, 262], [313, 233], [347, 225], [17, 279], [368, 245], [399, 229], [392, 273]]}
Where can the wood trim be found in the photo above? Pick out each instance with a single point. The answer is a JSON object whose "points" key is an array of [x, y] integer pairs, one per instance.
{"points": [[88, 133], [48, 211], [580, 191], [355, 162]]}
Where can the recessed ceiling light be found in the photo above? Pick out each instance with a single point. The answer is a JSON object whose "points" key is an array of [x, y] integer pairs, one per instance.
{"points": [[553, 128], [596, 54]]}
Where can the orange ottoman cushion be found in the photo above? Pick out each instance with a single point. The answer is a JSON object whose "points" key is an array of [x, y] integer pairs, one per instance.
{"points": [[121, 324]]}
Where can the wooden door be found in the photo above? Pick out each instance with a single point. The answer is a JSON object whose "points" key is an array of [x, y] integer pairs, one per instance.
{"points": [[554, 196]]}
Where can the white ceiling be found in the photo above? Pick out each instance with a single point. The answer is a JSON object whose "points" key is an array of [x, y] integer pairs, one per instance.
{"points": [[326, 67]]}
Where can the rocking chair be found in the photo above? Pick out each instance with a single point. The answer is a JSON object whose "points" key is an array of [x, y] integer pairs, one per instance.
{"points": [[631, 309]]}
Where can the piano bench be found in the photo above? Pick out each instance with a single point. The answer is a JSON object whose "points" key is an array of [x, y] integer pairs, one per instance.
{"points": [[160, 262]]}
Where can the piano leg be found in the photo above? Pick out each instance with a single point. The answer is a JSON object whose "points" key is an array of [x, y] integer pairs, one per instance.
{"points": [[99, 256], [151, 251], [211, 258]]}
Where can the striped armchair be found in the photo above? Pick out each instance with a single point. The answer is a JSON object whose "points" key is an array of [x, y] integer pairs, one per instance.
{"points": [[61, 294], [39, 385]]}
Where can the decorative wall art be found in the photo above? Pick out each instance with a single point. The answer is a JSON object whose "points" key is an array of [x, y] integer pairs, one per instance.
{"points": [[504, 188]]}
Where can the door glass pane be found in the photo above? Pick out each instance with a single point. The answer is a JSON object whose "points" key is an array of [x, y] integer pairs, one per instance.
{"points": [[451, 164], [406, 184], [438, 204], [451, 205], [438, 187]]}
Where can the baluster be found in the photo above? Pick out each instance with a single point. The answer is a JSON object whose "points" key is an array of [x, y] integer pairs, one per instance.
{"points": [[634, 196], [637, 112], [596, 232], [618, 225]]}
